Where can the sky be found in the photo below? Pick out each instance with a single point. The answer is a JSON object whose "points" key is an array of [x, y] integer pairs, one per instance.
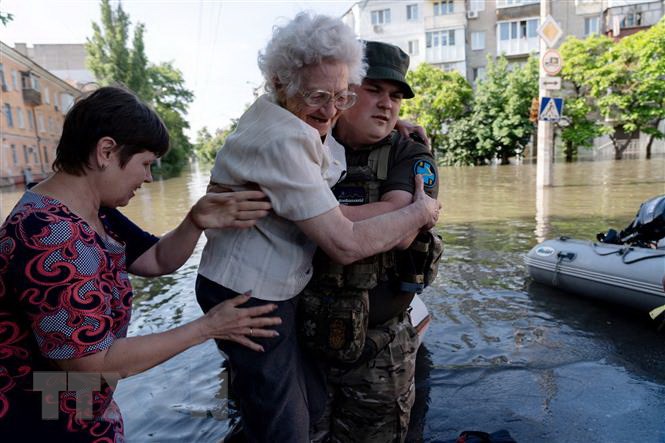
{"points": [[214, 43]]}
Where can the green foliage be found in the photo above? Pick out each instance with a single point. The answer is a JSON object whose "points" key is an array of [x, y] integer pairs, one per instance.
{"points": [[441, 98], [582, 58], [500, 113], [6, 17], [113, 61], [458, 147], [171, 99], [207, 145], [629, 84]]}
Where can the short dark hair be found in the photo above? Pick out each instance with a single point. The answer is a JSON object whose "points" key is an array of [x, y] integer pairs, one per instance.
{"points": [[110, 111]]}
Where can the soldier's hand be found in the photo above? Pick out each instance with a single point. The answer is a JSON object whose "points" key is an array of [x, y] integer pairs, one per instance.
{"points": [[430, 206]]}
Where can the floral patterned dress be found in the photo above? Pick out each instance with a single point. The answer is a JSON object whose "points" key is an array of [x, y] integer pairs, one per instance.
{"points": [[64, 293]]}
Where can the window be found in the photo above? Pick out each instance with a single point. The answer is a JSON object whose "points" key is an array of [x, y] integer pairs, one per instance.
{"points": [[46, 155], [51, 127], [31, 120], [519, 29], [413, 47], [14, 156], [34, 153], [19, 118], [476, 5], [478, 73], [412, 12], [631, 20], [444, 7], [478, 40], [381, 17], [2, 78], [591, 25], [440, 38], [25, 154], [55, 100], [8, 115], [47, 95], [15, 80], [40, 122], [505, 3], [66, 100]]}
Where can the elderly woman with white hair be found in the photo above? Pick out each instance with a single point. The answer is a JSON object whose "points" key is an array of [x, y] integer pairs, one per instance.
{"points": [[283, 144]]}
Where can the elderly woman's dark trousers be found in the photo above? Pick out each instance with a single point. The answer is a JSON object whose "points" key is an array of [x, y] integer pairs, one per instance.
{"points": [[279, 391]]}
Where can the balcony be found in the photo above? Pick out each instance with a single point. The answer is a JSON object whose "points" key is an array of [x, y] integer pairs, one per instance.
{"points": [[445, 21], [31, 89], [517, 47], [621, 21], [32, 97], [516, 12]]}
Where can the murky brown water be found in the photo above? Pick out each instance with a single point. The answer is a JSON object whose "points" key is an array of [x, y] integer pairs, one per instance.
{"points": [[501, 352]]}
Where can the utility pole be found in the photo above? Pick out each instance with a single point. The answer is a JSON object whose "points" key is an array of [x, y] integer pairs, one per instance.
{"points": [[545, 150]]}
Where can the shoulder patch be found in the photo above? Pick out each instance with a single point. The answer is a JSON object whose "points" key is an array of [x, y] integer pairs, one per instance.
{"points": [[427, 170]]}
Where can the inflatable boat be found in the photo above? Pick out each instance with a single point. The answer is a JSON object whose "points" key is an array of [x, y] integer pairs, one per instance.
{"points": [[620, 274], [626, 268]]}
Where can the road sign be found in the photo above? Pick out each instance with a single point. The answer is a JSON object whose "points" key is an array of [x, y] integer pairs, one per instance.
{"points": [[550, 83], [551, 62], [550, 31], [551, 109]]}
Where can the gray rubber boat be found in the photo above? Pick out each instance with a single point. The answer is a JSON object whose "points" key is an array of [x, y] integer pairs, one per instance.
{"points": [[621, 274]]}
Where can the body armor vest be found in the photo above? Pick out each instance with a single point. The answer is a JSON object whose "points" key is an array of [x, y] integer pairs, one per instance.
{"points": [[361, 185]]}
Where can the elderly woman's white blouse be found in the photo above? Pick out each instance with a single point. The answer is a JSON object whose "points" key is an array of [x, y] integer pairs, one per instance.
{"points": [[273, 148]]}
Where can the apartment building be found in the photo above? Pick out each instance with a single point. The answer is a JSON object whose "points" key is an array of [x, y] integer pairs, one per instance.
{"points": [[67, 61], [460, 34], [33, 103]]}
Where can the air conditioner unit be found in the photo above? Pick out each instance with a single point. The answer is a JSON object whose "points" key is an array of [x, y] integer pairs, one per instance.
{"points": [[378, 29], [471, 14]]}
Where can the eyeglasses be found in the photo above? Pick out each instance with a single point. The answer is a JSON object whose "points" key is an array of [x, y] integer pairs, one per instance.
{"points": [[342, 100]]}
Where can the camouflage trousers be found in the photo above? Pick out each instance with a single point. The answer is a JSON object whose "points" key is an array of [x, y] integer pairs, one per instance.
{"points": [[372, 402]]}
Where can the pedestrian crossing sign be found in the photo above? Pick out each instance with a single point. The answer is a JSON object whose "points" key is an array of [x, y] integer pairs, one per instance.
{"points": [[551, 109]]}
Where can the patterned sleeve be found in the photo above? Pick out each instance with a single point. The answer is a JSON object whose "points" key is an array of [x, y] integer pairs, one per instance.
{"points": [[408, 159], [64, 285]]}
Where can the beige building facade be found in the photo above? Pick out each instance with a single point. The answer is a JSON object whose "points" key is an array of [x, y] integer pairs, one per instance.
{"points": [[460, 34], [33, 103]]}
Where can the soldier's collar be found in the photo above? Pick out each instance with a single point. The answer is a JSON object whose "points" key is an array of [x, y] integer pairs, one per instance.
{"points": [[385, 141]]}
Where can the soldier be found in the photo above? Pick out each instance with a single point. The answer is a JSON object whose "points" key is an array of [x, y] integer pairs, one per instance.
{"points": [[369, 342]]}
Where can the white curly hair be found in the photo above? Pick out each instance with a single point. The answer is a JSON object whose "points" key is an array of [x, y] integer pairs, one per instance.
{"points": [[305, 41]]}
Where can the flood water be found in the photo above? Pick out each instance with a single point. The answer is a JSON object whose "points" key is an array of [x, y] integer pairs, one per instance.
{"points": [[501, 353]]}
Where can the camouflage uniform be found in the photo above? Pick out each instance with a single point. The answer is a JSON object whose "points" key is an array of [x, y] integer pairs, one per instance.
{"points": [[371, 400]]}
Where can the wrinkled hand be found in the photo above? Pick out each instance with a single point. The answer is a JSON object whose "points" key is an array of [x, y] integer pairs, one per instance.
{"points": [[406, 128], [227, 321], [430, 206], [229, 209]]}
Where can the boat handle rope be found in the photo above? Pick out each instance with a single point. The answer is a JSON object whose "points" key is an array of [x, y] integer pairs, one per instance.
{"points": [[623, 252], [561, 256], [635, 260]]}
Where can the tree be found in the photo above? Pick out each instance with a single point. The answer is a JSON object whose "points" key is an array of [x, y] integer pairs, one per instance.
{"points": [[440, 98], [649, 79], [500, 113], [629, 86], [108, 55], [207, 145], [515, 129], [171, 99], [6, 17], [113, 61], [582, 58]]}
